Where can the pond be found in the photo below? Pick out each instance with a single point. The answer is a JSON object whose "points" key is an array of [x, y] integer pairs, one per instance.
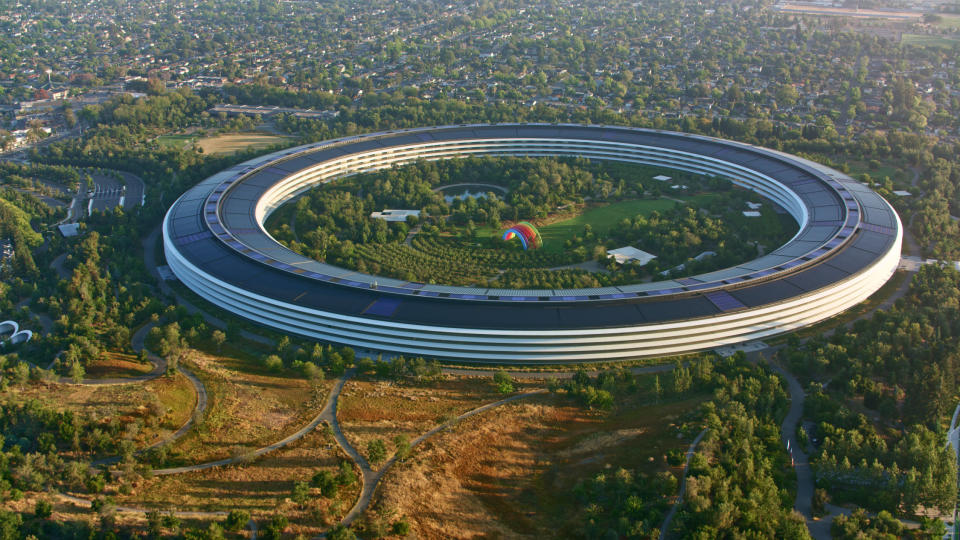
{"points": [[472, 191]]}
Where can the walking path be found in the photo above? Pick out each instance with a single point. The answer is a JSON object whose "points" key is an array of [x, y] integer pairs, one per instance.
{"points": [[683, 486], [371, 478], [328, 411]]}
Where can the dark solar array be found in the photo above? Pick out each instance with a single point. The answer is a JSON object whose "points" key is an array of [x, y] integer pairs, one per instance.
{"points": [[724, 301], [264, 276]]}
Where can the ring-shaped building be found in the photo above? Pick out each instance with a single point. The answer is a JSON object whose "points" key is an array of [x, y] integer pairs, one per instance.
{"points": [[847, 246]]}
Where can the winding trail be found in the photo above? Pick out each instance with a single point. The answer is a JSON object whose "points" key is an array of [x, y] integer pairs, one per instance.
{"points": [[160, 367], [683, 485], [328, 411], [371, 478]]}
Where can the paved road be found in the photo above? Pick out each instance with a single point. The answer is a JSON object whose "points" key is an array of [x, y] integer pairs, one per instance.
{"points": [[788, 434], [683, 485]]}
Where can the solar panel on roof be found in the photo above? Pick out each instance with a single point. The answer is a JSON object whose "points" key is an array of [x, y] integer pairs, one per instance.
{"points": [[384, 307], [724, 301]]}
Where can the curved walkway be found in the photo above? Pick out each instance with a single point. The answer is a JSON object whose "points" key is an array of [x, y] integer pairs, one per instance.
{"points": [[160, 367], [328, 411], [371, 478], [683, 486]]}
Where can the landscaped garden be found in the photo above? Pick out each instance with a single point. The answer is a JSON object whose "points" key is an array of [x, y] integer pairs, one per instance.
{"points": [[582, 209]]}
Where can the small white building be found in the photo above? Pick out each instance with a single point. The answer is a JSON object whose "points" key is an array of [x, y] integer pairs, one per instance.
{"points": [[662, 178], [902, 193], [395, 215], [754, 205], [751, 213], [69, 229], [630, 254]]}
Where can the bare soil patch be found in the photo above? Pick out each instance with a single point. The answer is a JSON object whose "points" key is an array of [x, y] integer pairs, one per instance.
{"points": [[369, 410], [511, 472]]}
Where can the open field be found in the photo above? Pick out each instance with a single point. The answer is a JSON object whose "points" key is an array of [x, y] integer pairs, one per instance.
{"points": [[263, 487], [175, 395], [248, 409], [117, 365], [227, 144], [877, 170], [511, 472], [948, 21], [369, 410], [222, 144], [601, 219], [923, 40]]}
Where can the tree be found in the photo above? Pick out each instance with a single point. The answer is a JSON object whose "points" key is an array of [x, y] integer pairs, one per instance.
{"points": [[274, 529], [301, 492], [77, 372], [326, 482], [218, 338], [503, 381], [346, 476], [377, 451], [402, 444], [273, 362], [43, 508], [340, 532], [236, 520]]}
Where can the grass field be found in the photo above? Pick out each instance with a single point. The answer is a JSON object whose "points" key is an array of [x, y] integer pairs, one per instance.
{"points": [[601, 219], [247, 408], [510, 472], [126, 402], [222, 144], [262, 487], [923, 40], [369, 410], [117, 365], [948, 21], [230, 143]]}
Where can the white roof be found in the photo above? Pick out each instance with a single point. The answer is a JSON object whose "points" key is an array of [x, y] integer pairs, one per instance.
{"points": [[630, 253], [394, 215], [69, 229], [902, 193], [661, 178], [751, 213]]}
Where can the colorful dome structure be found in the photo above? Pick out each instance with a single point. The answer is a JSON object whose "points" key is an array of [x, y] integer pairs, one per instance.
{"points": [[528, 234]]}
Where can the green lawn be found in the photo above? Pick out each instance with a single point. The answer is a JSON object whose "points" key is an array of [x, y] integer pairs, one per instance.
{"points": [[601, 218], [182, 140], [897, 172], [948, 21], [923, 40]]}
